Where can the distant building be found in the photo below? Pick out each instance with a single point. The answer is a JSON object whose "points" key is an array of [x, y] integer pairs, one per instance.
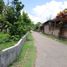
{"points": [[56, 26]]}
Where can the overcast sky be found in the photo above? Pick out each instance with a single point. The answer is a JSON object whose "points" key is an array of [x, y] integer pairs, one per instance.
{"points": [[42, 10]]}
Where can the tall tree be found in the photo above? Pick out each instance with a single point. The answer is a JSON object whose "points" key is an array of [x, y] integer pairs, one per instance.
{"points": [[13, 14], [1, 6], [26, 21]]}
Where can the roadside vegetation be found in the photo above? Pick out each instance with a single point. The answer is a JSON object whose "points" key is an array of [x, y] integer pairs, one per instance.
{"points": [[27, 55], [13, 25], [5, 41], [37, 26]]}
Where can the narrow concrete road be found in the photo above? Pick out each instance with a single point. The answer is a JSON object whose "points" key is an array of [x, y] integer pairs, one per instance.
{"points": [[50, 53]]}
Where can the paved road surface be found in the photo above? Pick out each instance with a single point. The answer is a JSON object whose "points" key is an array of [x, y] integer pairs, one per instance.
{"points": [[50, 53]]}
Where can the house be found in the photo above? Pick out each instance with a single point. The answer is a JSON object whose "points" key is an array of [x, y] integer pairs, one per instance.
{"points": [[46, 27], [56, 26], [49, 27]]}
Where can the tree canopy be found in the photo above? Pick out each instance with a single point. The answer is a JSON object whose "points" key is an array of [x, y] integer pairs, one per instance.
{"points": [[11, 20]]}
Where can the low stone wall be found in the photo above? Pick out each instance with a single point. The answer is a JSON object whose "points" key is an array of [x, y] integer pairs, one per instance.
{"points": [[8, 55]]}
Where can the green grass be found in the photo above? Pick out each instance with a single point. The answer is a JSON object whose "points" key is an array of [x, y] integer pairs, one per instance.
{"points": [[64, 41], [4, 43], [27, 55], [7, 44], [3, 35]]}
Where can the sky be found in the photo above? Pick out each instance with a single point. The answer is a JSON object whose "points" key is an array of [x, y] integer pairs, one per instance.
{"points": [[43, 10]]}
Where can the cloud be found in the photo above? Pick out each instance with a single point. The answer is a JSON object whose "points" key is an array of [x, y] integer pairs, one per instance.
{"points": [[47, 11], [34, 18]]}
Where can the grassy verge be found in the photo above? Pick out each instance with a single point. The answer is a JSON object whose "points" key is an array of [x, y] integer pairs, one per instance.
{"points": [[64, 41], [27, 54], [6, 45], [4, 42]]}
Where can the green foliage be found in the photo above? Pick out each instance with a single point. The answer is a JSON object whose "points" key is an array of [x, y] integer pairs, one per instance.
{"points": [[26, 21], [4, 37], [12, 16], [6, 41], [37, 26], [1, 6], [2, 17], [11, 20]]}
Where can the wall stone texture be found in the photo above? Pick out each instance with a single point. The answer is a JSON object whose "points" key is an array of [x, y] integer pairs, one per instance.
{"points": [[8, 55]]}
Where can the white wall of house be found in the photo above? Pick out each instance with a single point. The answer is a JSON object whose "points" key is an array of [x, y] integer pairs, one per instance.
{"points": [[54, 31], [46, 29]]}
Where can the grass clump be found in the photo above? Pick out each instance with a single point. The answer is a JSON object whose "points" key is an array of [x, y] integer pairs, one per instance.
{"points": [[5, 41]]}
